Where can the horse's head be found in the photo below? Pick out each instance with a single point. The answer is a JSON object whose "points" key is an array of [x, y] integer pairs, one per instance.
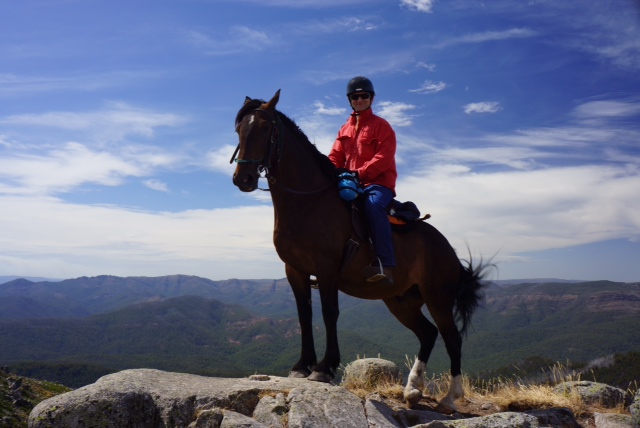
{"points": [[257, 125]]}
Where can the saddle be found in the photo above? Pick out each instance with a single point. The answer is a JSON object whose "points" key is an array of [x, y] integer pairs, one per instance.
{"points": [[401, 215]]}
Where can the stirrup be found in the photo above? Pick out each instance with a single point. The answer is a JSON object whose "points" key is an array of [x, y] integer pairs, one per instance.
{"points": [[379, 274]]}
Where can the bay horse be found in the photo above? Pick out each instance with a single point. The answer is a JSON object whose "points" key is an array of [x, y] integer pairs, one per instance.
{"points": [[312, 227]]}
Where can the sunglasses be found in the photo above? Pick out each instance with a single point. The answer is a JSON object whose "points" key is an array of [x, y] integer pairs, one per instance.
{"points": [[354, 97]]}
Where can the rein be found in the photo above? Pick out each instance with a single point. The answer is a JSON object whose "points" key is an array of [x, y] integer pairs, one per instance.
{"points": [[276, 141]]}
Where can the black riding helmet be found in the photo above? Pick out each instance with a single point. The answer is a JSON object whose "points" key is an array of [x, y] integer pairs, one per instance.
{"points": [[360, 84]]}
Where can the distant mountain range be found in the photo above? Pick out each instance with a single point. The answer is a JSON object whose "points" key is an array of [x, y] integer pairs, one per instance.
{"points": [[79, 329]]}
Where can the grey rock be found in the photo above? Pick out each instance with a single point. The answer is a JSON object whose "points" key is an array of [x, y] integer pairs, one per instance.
{"points": [[610, 420], [272, 411], [236, 420], [594, 392], [208, 419], [372, 372], [555, 417], [379, 415], [497, 420], [634, 409], [326, 406]]}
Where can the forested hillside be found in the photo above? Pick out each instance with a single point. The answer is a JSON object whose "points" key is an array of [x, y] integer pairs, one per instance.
{"points": [[74, 331]]}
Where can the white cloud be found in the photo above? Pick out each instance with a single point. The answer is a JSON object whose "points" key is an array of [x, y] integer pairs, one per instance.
{"points": [[218, 160], [72, 240], [63, 169], [395, 113], [521, 211], [607, 109], [429, 87], [331, 111], [425, 6], [482, 107], [155, 184], [52, 170]]}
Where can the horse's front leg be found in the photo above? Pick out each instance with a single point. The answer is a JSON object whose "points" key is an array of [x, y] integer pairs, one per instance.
{"points": [[325, 371], [301, 288]]}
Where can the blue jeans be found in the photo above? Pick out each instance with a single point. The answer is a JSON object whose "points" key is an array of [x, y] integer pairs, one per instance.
{"points": [[376, 200]]}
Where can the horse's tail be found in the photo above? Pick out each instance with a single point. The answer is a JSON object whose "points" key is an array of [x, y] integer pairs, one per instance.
{"points": [[470, 291]]}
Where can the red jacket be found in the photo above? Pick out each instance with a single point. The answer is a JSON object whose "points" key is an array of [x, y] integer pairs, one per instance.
{"points": [[369, 150]]}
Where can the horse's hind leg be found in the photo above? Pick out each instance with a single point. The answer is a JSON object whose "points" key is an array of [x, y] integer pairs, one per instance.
{"points": [[302, 292], [407, 309]]}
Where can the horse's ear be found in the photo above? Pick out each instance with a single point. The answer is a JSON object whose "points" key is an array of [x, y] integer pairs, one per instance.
{"points": [[247, 100], [271, 105]]}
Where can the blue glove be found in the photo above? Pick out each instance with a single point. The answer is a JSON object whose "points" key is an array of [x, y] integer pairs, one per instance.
{"points": [[348, 186]]}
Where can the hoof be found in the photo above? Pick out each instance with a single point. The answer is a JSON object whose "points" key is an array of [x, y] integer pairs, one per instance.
{"points": [[320, 377], [300, 374], [412, 397], [446, 409]]}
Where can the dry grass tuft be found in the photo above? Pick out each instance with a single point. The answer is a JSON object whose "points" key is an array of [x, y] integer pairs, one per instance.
{"points": [[508, 394]]}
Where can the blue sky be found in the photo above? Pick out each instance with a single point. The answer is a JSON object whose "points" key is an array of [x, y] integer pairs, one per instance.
{"points": [[518, 126]]}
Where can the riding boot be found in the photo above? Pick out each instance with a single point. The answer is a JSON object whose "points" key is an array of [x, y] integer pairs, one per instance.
{"points": [[377, 272]]}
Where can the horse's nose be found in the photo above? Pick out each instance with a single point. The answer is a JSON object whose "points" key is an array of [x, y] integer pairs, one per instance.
{"points": [[245, 182]]}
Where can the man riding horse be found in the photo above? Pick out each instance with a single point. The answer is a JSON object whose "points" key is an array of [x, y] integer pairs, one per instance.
{"points": [[366, 147]]}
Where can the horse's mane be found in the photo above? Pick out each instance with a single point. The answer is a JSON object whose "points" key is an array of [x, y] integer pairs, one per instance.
{"points": [[325, 164]]}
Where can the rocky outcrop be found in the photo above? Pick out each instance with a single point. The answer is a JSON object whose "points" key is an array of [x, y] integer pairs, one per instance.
{"points": [[151, 398]]}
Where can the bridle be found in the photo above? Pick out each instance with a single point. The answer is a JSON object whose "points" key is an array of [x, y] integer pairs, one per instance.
{"points": [[276, 141]]}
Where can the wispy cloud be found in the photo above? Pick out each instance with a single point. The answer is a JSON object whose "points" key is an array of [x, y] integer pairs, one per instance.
{"points": [[426, 66], [238, 40], [303, 4], [517, 158], [610, 34], [425, 6], [429, 87], [339, 25], [113, 122], [482, 107], [12, 84], [488, 36]]}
